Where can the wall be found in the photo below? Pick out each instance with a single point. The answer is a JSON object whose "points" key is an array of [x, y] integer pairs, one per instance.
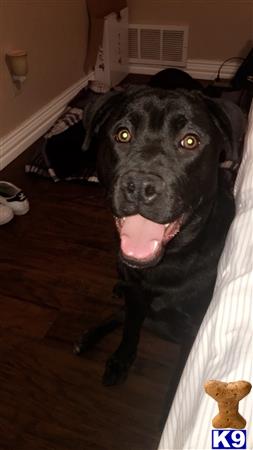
{"points": [[54, 33], [218, 29]]}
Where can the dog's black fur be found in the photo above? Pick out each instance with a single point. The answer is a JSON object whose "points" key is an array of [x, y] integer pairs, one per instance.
{"points": [[172, 290], [172, 78]]}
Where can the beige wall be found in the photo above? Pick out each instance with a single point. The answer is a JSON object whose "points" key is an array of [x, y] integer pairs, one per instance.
{"points": [[218, 29], [54, 33]]}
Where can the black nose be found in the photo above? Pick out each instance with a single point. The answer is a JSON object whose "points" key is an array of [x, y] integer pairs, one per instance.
{"points": [[140, 186]]}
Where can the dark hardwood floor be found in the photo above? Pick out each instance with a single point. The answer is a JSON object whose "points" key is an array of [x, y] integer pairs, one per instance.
{"points": [[57, 269]]}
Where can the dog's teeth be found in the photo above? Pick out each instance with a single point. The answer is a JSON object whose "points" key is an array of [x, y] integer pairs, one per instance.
{"points": [[166, 226], [155, 245], [119, 220]]}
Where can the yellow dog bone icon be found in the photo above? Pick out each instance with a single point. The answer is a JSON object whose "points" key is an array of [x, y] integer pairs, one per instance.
{"points": [[228, 396]]}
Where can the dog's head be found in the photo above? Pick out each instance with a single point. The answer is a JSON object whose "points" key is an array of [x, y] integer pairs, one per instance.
{"points": [[158, 158]]}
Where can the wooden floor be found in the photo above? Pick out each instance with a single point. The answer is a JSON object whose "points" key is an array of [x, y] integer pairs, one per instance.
{"points": [[57, 269]]}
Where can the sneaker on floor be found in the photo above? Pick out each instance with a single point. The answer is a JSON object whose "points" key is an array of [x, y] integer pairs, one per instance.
{"points": [[13, 197], [6, 214]]}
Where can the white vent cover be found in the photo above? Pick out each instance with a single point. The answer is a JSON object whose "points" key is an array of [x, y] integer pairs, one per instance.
{"points": [[153, 44]]}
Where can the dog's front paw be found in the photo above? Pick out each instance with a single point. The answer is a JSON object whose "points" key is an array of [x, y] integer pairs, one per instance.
{"points": [[116, 370]]}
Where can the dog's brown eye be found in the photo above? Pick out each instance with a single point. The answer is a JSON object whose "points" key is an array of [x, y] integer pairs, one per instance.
{"points": [[123, 135], [190, 142]]}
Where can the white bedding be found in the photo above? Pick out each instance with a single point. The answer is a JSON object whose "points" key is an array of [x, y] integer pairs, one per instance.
{"points": [[223, 349]]}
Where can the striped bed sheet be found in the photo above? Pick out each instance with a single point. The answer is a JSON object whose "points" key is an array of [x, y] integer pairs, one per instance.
{"points": [[223, 349]]}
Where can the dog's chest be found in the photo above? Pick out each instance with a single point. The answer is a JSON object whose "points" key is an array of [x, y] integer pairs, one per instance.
{"points": [[180, 282]]}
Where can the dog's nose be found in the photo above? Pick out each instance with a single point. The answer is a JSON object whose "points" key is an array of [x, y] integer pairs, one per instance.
{"points": [[142, 187]]}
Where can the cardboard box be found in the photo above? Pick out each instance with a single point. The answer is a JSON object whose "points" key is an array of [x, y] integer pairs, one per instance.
{"points": [[96, 11]]}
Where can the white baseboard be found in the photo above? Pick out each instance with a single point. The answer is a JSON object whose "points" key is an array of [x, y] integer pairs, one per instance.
{"points": [[198, 68], [18, 140]]}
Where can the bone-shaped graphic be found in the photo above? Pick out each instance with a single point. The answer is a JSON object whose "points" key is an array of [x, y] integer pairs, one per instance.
{"points": [[228, 396]]}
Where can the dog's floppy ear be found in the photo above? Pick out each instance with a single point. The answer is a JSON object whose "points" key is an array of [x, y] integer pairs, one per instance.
{"points": [[231, 121], [96, 113]]}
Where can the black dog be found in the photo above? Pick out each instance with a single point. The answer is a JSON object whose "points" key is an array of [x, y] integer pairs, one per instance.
{"points": [[158, 159], [172, 78]]}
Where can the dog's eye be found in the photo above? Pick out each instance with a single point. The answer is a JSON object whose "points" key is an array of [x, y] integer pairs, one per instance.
{"points": [[123, 135], [190, 142]]}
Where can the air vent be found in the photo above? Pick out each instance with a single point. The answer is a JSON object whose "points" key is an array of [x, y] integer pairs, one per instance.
{"points": [[151, 44], [133, 43]]}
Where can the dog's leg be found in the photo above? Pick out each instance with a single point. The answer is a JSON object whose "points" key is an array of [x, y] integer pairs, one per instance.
{"points": [[118, 364], [93, 335]]}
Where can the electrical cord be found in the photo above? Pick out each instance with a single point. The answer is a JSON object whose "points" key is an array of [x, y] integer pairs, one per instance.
{"points": [[217, 79]]}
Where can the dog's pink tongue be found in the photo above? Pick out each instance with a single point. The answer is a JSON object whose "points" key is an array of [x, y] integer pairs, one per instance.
{"points": [[140, 237]]}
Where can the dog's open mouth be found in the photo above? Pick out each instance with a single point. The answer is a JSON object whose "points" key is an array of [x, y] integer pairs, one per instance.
{"points": [[142, 240]]}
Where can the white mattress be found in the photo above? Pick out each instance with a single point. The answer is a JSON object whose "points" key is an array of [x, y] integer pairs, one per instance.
{"points": [[223, 349]]}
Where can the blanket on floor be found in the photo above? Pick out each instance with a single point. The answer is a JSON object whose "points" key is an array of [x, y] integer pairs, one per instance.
{"points": [[59, 153]]}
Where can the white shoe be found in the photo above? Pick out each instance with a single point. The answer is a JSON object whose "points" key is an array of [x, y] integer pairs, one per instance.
{"points": [[13, 197], [6, 214]]}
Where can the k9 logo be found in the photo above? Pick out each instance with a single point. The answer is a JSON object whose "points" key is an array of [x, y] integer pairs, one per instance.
{"points": [[229, 439]]}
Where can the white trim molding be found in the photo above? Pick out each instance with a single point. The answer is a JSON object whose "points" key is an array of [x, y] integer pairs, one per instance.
{"points": [[198, 68], [18, 140]]}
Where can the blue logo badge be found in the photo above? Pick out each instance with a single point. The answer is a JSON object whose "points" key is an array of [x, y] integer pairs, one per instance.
{"points": [[229, 439]]}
